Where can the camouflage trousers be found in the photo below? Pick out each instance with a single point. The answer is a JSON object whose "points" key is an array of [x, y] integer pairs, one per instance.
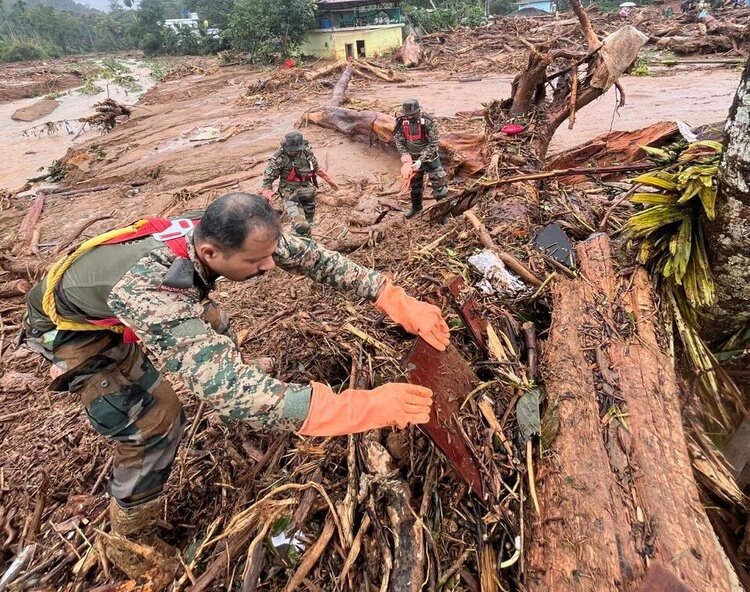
{"points": [[299, 205], [126, 400], [437, 176]]}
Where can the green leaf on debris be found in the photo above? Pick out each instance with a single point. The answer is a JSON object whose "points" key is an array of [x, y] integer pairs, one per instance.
{"points": [[527, 414]]}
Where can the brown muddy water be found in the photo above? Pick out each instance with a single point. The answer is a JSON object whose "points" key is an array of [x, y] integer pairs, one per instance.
{"points": [[26, 148]]}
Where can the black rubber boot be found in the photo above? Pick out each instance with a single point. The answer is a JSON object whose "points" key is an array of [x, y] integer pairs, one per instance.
{"points": [[416, 206]]}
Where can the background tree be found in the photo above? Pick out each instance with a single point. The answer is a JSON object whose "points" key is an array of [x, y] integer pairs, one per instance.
{"points": [[268, 29], [147, 30], [216, 12], [436, 15]]}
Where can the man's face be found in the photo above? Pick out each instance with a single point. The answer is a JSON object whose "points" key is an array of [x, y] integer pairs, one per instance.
{"points": [[254, 258]]}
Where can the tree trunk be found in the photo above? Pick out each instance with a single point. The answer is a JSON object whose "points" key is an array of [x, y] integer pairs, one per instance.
{"points": [[619, 488], [461, 153], [728, 236]]}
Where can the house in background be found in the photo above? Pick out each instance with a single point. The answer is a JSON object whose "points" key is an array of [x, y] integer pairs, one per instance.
{"points": [[189, 20], [545, 5], [354, 28]]}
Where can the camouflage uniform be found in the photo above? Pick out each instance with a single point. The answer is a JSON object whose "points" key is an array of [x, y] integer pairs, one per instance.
{"points": [[297, 184], [425, 149], [125, 396]]}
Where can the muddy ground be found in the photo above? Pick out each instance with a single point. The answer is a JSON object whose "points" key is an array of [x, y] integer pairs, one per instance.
{"points": [[157, 163]]}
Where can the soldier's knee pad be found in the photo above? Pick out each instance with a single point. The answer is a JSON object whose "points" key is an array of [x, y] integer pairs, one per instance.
{"points": [[438, 176]]}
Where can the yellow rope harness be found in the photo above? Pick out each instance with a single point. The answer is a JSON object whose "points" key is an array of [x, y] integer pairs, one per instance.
{"points": [[60, 267]]}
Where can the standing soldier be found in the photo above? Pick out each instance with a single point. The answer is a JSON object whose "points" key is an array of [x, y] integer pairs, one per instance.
{"points": [[297, 169], [417, 136]]}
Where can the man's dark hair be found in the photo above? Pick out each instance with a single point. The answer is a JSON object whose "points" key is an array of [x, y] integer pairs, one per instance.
{"points": [[231, 218]]}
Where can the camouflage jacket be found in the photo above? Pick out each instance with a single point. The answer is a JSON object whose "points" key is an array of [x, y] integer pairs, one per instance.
{"points": [[281, 165], [172, 329], [426, 148]]}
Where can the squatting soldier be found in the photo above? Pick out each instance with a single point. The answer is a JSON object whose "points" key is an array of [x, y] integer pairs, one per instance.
{"points": [[417, 136], [297, 169], [122, 303]]}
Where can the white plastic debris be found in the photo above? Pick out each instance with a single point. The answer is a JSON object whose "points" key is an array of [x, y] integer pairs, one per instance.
{"points": [[497, 279], [284, 541], [686, 131]]}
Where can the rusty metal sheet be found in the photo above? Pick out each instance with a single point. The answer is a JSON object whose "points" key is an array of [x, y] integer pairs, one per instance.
{"points": [[468, 309], [451, 379]]}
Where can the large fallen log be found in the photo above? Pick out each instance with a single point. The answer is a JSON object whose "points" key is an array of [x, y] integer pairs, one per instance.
{"points": [[691, 45], [463, 153], [618, 489]]}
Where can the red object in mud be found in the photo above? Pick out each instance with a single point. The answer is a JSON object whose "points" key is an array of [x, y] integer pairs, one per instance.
{"points": [[512, 129], [451, 379], [289, 63]]}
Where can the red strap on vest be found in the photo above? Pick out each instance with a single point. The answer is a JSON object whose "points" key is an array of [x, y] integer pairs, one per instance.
{"points": [[406, 128], [172, 234], [295, 177]]}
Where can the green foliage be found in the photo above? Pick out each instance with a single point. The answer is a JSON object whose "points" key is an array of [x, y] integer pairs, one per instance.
{"points": [[216, 12], [41, 30], [270, 29], [119, 74], [502, 7], [160, 69], [640, 68], [446, 15], [669, 230], [432, 20], [146, 31], [15, 50], [671, 241], [90, 87]]}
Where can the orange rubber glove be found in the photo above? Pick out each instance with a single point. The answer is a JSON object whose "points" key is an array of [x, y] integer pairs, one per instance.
{"points": [[328, 179], [353, 411], [418, 318], [406, 169]]}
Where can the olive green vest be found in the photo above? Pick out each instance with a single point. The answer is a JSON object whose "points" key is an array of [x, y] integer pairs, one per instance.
{"points": [[84, 288]]}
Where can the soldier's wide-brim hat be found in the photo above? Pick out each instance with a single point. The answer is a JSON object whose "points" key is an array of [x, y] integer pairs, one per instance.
{"points": [[294, 141]]}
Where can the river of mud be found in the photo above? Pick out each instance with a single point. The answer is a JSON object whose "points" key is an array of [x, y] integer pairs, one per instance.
{"points": [[26, 148], [697, 97]]}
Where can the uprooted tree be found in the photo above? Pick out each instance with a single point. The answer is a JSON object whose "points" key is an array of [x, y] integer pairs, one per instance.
{"points": [[619, 494]]}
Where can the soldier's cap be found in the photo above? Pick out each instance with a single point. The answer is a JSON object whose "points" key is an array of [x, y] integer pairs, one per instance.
{"points": [[411, 106], [293, 142]]}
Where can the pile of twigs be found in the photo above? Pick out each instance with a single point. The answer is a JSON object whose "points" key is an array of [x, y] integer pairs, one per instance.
{"points": [[346, 497]]}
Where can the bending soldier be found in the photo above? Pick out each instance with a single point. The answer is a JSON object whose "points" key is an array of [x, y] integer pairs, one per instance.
{"points": [[109, 313], [417, 136], [297, 169]]}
